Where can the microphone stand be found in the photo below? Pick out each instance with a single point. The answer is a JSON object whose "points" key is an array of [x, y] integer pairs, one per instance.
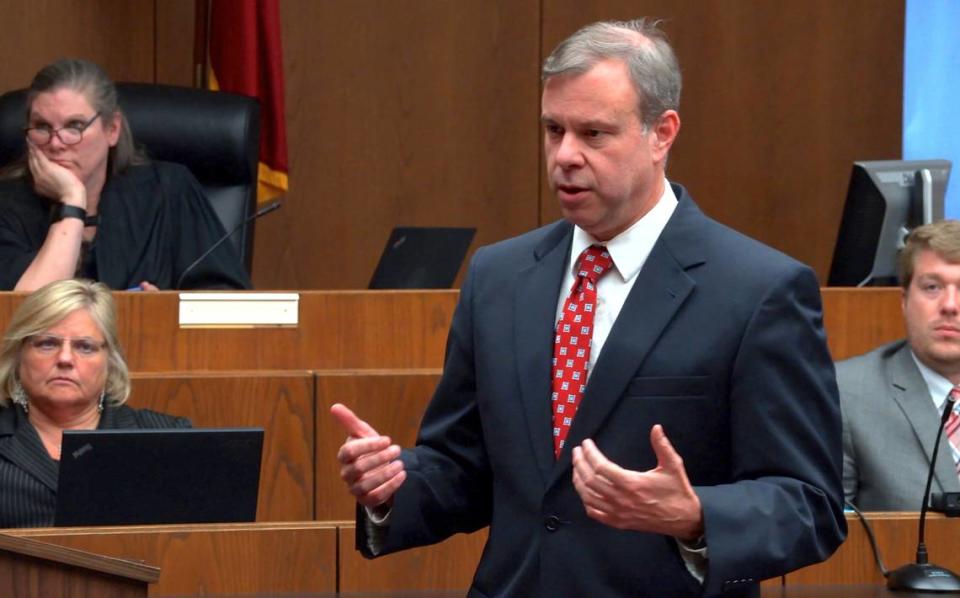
{"points": [[923, 576], [261, 212]]}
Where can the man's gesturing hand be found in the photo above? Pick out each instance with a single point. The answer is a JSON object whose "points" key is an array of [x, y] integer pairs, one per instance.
{"points": [[660, 500], [369, 463]]}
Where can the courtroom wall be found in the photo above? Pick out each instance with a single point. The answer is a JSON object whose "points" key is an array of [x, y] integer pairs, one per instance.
{"points": [[422, 112]]}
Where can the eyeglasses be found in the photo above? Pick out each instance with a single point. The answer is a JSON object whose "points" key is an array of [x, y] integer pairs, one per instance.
{"points": [[71, 134], [51, 344]]}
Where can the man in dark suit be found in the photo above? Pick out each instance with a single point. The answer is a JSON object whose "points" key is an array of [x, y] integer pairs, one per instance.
{"points": [[703, 452], [893, 396]]}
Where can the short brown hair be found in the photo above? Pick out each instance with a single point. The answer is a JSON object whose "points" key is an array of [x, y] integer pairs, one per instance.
{"points": [[943, 238]]}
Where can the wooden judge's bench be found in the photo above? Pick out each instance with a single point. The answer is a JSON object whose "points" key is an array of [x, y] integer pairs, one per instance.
{"points": [[379, 352]]}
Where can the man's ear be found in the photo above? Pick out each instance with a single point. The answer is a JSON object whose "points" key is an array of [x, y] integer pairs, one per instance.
{"points": [[663, 133]]}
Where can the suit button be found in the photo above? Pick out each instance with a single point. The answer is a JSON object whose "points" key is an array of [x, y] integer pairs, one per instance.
{"points": [[552, 523]]}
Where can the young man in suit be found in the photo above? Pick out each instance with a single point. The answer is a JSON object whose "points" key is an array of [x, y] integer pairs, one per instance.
{"points": [[892, 398], [636, 400]]}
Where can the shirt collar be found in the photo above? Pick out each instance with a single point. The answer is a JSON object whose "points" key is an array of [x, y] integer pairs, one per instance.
{"points": [[938, 386], [630, 248]]}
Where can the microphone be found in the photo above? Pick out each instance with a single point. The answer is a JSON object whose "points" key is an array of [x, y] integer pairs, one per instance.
{"points": [[261, 212], [923, 576]]}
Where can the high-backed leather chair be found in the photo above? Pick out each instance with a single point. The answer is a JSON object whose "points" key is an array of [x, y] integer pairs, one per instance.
{"points": [[214, 134]]}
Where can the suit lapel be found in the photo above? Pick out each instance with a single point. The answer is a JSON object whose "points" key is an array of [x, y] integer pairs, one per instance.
{"points": [[911, 394], [661, 288], [536, 299], [20, 444]]}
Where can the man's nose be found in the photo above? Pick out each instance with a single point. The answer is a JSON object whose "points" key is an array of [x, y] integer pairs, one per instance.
{"points": [[949, 303], [569, 152]]}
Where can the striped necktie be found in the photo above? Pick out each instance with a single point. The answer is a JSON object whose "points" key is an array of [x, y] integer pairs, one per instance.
{"points": [[953, 429]]}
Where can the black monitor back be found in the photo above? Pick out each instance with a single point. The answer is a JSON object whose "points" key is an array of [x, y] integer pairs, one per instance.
{"points": [[884, 202], [133, 477], [422, 257]]}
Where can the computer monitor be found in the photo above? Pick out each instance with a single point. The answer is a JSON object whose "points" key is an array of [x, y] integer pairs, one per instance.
{"points": [[885, 201]]}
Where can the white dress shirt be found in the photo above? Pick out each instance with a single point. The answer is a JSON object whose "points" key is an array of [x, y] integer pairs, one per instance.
{"points": [[629, 251], [938, 387]]}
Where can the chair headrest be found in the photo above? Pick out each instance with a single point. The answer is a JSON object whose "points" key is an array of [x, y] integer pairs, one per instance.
{"points": [[209, 132]]}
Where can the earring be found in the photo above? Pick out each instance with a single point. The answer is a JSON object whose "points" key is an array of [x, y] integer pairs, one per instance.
{"points": [[19, 396], [103, 396]]}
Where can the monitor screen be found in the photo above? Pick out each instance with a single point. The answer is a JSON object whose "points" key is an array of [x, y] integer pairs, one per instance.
{"points": [[885, 200]]}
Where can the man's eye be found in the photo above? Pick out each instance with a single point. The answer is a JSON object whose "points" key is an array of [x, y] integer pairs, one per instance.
{"points": [[594, 133], [554, 130]]}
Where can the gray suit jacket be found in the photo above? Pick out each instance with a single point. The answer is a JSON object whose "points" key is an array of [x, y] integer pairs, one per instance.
{"points": [[889, 427]]}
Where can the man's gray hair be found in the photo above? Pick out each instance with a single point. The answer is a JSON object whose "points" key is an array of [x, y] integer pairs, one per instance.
{"points": [[638, 43]]}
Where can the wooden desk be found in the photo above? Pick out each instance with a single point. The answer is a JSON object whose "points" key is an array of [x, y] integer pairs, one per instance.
{"points": [[389, 329], [446, 566], [896, 535], [216, 559], [337, 330]]}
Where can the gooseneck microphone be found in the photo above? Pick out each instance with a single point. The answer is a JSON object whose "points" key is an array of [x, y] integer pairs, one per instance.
{"points": [[923, 576], [261, 212]]}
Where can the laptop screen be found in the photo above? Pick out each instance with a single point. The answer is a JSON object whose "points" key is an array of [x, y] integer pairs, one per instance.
{"points": [[422, 257], [130, 477]]}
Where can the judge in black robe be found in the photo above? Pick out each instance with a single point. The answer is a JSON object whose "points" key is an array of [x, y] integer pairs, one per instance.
{"points": [[153, 222]]}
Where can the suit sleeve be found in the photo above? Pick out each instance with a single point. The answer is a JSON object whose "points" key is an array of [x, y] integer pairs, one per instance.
{"points": [[851, 472], [783, 507]]}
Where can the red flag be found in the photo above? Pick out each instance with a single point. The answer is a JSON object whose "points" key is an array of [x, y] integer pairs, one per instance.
{"points": [[246, 58]]}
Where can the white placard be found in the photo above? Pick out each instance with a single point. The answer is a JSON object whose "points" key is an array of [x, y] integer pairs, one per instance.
{"points": [[238, 310]]}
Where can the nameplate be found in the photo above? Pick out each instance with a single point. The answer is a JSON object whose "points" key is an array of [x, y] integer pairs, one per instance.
{"points": [[238, 310]]}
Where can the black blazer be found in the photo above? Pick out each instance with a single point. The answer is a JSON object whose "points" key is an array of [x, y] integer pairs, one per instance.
{"points": [[28, 476], [720, 341]]}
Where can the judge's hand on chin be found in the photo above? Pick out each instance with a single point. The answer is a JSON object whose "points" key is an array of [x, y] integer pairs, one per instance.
{"points": [[53, 180], [660, 500]]}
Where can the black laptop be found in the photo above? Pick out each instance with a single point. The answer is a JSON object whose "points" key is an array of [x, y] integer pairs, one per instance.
{"points": [[131, 477], [418, 257]]}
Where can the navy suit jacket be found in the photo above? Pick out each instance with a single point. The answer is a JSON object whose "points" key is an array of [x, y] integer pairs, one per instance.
{"points": [[720, 341]]}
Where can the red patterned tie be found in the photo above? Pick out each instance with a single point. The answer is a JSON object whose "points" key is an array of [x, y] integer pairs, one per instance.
{"points": [[571, 350], [953, 429]]}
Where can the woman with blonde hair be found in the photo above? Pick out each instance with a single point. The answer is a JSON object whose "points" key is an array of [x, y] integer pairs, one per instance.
{"points": [[61, 368]]}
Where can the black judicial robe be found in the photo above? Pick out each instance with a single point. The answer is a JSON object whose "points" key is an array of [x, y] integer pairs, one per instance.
{"points": [[154, 221]]}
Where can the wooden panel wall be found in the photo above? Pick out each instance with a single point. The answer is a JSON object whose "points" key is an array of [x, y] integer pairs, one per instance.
{"points": [[426, 113], [392, 402], [117, 34]]}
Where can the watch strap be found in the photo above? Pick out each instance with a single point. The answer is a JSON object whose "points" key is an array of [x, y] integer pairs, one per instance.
{"points": [[62, 210]]}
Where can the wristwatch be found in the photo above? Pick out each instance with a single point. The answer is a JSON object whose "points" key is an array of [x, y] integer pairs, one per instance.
{"points": [[61, 210]]}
